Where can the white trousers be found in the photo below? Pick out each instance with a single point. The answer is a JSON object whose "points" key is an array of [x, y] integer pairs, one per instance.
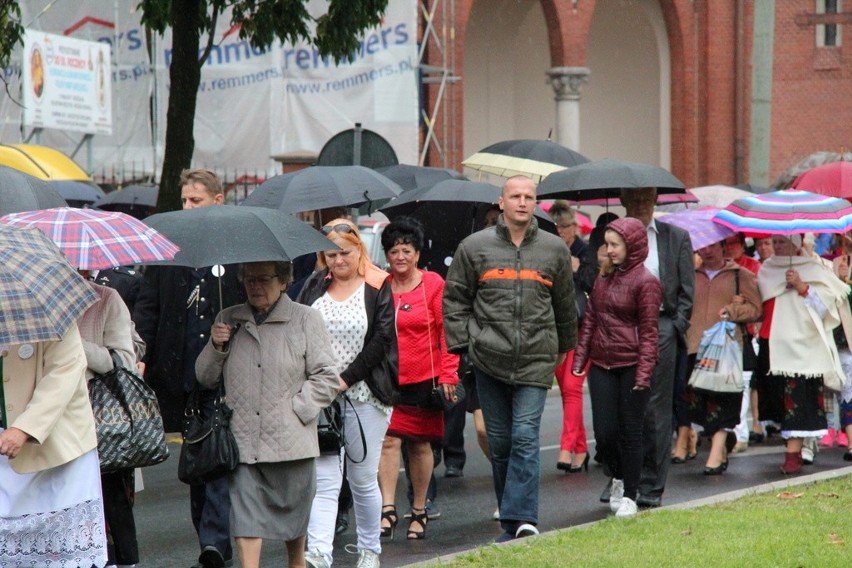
{"points": [[363, 478], [742, 429]]}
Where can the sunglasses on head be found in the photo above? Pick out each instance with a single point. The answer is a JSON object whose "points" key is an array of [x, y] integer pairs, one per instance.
{"points": [[339, 228]]}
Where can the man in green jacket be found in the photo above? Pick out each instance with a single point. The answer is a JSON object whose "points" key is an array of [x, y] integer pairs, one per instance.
{"points": [[509, 303]]}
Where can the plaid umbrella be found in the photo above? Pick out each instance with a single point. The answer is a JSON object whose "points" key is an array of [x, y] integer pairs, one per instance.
{"points": [[40, 294], [787, 212], [95, 240], [700, 226]]}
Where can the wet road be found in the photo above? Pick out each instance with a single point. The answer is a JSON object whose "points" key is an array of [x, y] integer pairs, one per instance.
{"points": [[167, 539]]}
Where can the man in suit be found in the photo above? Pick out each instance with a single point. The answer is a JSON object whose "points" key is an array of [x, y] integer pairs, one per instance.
{"points": [[174, 311], [670, 260]]}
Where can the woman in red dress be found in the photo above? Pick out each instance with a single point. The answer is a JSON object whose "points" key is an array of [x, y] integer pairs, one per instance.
{"points": [[423, 363]]}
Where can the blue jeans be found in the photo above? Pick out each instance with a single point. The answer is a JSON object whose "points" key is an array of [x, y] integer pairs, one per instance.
{"points": [[512, 422]]}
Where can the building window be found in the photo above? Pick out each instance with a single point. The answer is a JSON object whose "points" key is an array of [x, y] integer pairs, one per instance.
{"points": [[828, 35]]}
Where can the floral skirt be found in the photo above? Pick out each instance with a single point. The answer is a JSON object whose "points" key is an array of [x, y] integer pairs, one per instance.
{"points": [[713, 410], [53, 517], [796, 402]]}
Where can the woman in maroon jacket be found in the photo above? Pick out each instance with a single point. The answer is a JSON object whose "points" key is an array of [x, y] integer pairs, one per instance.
{"points": [[619, 338]]}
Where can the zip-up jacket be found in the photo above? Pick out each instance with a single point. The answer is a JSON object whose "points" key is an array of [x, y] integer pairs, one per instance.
{"points": [[620, 328], [511, 307]]}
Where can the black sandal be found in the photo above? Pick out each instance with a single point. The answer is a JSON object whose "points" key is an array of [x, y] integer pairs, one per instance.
{"points": [[390, 516], [421, 519]]}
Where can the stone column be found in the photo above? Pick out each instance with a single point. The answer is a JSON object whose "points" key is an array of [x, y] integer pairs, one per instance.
{"points": [[566, 82]]}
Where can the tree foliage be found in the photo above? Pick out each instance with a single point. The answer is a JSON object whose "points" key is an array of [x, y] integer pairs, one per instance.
{"points": [[262, 23], [11, 31]]}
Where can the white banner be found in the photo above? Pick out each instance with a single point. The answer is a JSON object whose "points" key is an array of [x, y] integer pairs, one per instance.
{"points": [[66, 84], [251, 106]]}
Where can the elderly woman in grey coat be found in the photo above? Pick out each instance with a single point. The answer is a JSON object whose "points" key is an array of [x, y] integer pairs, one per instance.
{"points": [[279, 373]]}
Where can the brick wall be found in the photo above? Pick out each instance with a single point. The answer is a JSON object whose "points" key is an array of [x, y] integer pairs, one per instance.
{"points": [[812, 87]]}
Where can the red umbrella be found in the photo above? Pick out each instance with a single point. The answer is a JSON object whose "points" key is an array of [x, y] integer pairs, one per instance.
{"points": [[834, 179], [94, 240], [584, 223]]}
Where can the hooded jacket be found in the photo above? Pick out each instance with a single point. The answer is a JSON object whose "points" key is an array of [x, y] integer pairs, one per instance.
{"points": [[511, 307], [620, 327]]}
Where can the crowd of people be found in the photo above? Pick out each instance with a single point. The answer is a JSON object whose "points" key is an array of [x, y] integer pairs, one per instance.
{"points": [[394, 351]]}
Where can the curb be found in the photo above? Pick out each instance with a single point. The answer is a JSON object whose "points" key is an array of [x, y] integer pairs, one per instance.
{"points": [[703, 502]]}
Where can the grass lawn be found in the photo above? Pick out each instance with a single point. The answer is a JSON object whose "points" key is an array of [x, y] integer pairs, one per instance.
{"points": [[800, 526]]}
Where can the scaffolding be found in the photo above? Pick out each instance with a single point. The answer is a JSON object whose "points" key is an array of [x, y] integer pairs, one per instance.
{"points": [[436, 65]]}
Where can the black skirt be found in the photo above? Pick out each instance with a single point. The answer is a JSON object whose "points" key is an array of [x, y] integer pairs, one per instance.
{"points": [[796, 402], [713, 410]]}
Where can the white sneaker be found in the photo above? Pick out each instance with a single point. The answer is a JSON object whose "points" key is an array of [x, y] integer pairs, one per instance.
{"points": [[496, 515], [807, 456], [616, 494], [628, 508], [314, 560], [526, 529], [366, 558]]}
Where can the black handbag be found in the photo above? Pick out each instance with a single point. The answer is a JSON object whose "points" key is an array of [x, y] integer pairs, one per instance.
{"points": [[209, 449], [429, 395], [330, 429], [127, 419]]}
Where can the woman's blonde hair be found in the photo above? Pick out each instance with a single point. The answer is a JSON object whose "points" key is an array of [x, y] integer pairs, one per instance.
{"points": [[353, 237]]}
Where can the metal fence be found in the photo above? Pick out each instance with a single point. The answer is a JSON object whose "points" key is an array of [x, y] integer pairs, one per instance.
{"points": [[238, 183]]}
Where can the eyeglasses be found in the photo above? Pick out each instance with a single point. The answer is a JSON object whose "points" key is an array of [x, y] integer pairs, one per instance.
{"points": [[262, 280], [339, 228]]}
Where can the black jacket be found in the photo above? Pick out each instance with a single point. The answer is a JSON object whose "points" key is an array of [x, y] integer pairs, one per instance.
{"points": [[175, 334], [378, 361]]}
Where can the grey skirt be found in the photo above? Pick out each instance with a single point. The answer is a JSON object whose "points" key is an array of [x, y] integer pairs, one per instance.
{"points": [[272, 500]]}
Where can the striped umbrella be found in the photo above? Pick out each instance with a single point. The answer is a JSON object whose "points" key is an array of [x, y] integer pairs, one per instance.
{"points": [[786, 212]]}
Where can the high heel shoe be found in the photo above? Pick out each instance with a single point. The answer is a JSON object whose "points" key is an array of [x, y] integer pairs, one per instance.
{"points": [[421, 519], [389, 515], [563, 466], [718, 470], [581, 467]]}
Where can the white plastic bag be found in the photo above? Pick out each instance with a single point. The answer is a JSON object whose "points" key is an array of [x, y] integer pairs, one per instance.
{"points": [[719, 363]]}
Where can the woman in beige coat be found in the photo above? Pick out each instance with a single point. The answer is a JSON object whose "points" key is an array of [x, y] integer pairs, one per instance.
{"points": [[278, 368], [50, 494]]}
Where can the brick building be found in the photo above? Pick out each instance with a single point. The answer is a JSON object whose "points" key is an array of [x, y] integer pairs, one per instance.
{"points": [[719, 91]]}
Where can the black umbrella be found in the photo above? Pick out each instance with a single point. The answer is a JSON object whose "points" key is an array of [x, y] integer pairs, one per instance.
{"points": [[605, 178], [451, 210], [533, 158], [410, 177], [22, 192], [77, 192], [321, 187], [136, 200], [228, 234]]}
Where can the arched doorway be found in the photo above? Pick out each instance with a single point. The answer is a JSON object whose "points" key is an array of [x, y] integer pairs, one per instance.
{"points": [[506, 92], [625, 107]]}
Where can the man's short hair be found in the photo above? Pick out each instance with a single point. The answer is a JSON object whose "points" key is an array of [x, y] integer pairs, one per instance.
{"points": [[517, 178], [205, 177]]}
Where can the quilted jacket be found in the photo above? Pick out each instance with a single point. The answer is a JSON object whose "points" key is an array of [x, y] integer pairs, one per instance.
{"points": [[620, 325], [278, 376], [511, 308]]}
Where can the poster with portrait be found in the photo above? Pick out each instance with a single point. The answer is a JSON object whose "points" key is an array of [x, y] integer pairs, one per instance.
{"points": [[66, 84]]}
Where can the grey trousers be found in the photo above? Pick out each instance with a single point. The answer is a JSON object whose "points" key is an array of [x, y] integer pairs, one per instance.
{"points": [[657, 431]]}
